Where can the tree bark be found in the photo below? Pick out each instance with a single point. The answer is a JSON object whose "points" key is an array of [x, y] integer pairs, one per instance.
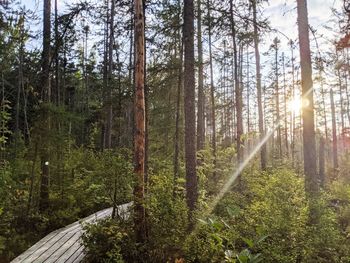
{"points": [[322, 162], [292, 111], [57, 84], [212, 92], [238, 92], [105, 79], [285, 108], [277, 101], [108, 143], [334, 132], [263, 155], [178, 107], [189, 104], [44, 156], [201, 98], [140, 123], [309, 143], [46, 53]]}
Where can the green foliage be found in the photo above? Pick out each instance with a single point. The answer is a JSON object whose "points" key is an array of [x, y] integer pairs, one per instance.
{"points": [[111, 240], [5, 117], [106, 240], [278, 208], [82, 182], [165, 209], [268, 222]]}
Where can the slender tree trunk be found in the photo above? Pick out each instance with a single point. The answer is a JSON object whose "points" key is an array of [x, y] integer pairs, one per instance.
{"points": [[105, 79], [212, 92], [119, 104], [19, 88], [201, 98], [238, 92], [322, 162], [334, 132], [248, 100], [189, 104], [263, 157], [277, 102], [178, 109], [131, 76], [108, 143], [285, 108], [324, 108], [347, 96], [309, 143], [57, 87], [131, 42], [341, 99], [233, 104], [292, 111], [46, 53], [44, 156], [227, 105], [146, 110], [140, 122]]}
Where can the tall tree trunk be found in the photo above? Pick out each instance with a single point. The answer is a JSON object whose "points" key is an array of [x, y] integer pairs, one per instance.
{"points": [[227, 126], [248, 99], [277, 101], [140, 123], [189, 104], [238, 92], [263, 157], [347, 96], [324, 107], [341, 98], [292, 111], [178, 106], [105, 79], [201, 98], [131, 43], [146, 109], [44, 156], [46, 53], [108, 143], [119, 104], [57, 87], [322, 162], [20, 81], [309, 142], [334, 132], [212, 92], [285, 108]]}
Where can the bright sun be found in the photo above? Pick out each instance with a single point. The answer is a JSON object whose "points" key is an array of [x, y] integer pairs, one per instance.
{"points": [[295, 105]]}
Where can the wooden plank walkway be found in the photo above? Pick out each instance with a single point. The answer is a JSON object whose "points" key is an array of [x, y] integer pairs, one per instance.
{"points": [[64, 244]]}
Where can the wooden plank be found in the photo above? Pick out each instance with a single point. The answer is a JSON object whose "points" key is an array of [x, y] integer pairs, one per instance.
{"points": [[80, 257], [63, 249], [75, 256], [35, 247], [37, 253], [69, 252], [54, 248], [64, 244]]}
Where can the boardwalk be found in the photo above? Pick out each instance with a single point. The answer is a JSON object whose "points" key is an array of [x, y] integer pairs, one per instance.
{"points": [[64, 244]]}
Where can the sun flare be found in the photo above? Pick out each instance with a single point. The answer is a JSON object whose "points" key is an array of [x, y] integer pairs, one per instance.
{"points": [[295, 105]]}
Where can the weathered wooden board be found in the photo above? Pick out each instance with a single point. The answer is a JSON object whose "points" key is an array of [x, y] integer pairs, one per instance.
{"points": [[64, 244]]}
